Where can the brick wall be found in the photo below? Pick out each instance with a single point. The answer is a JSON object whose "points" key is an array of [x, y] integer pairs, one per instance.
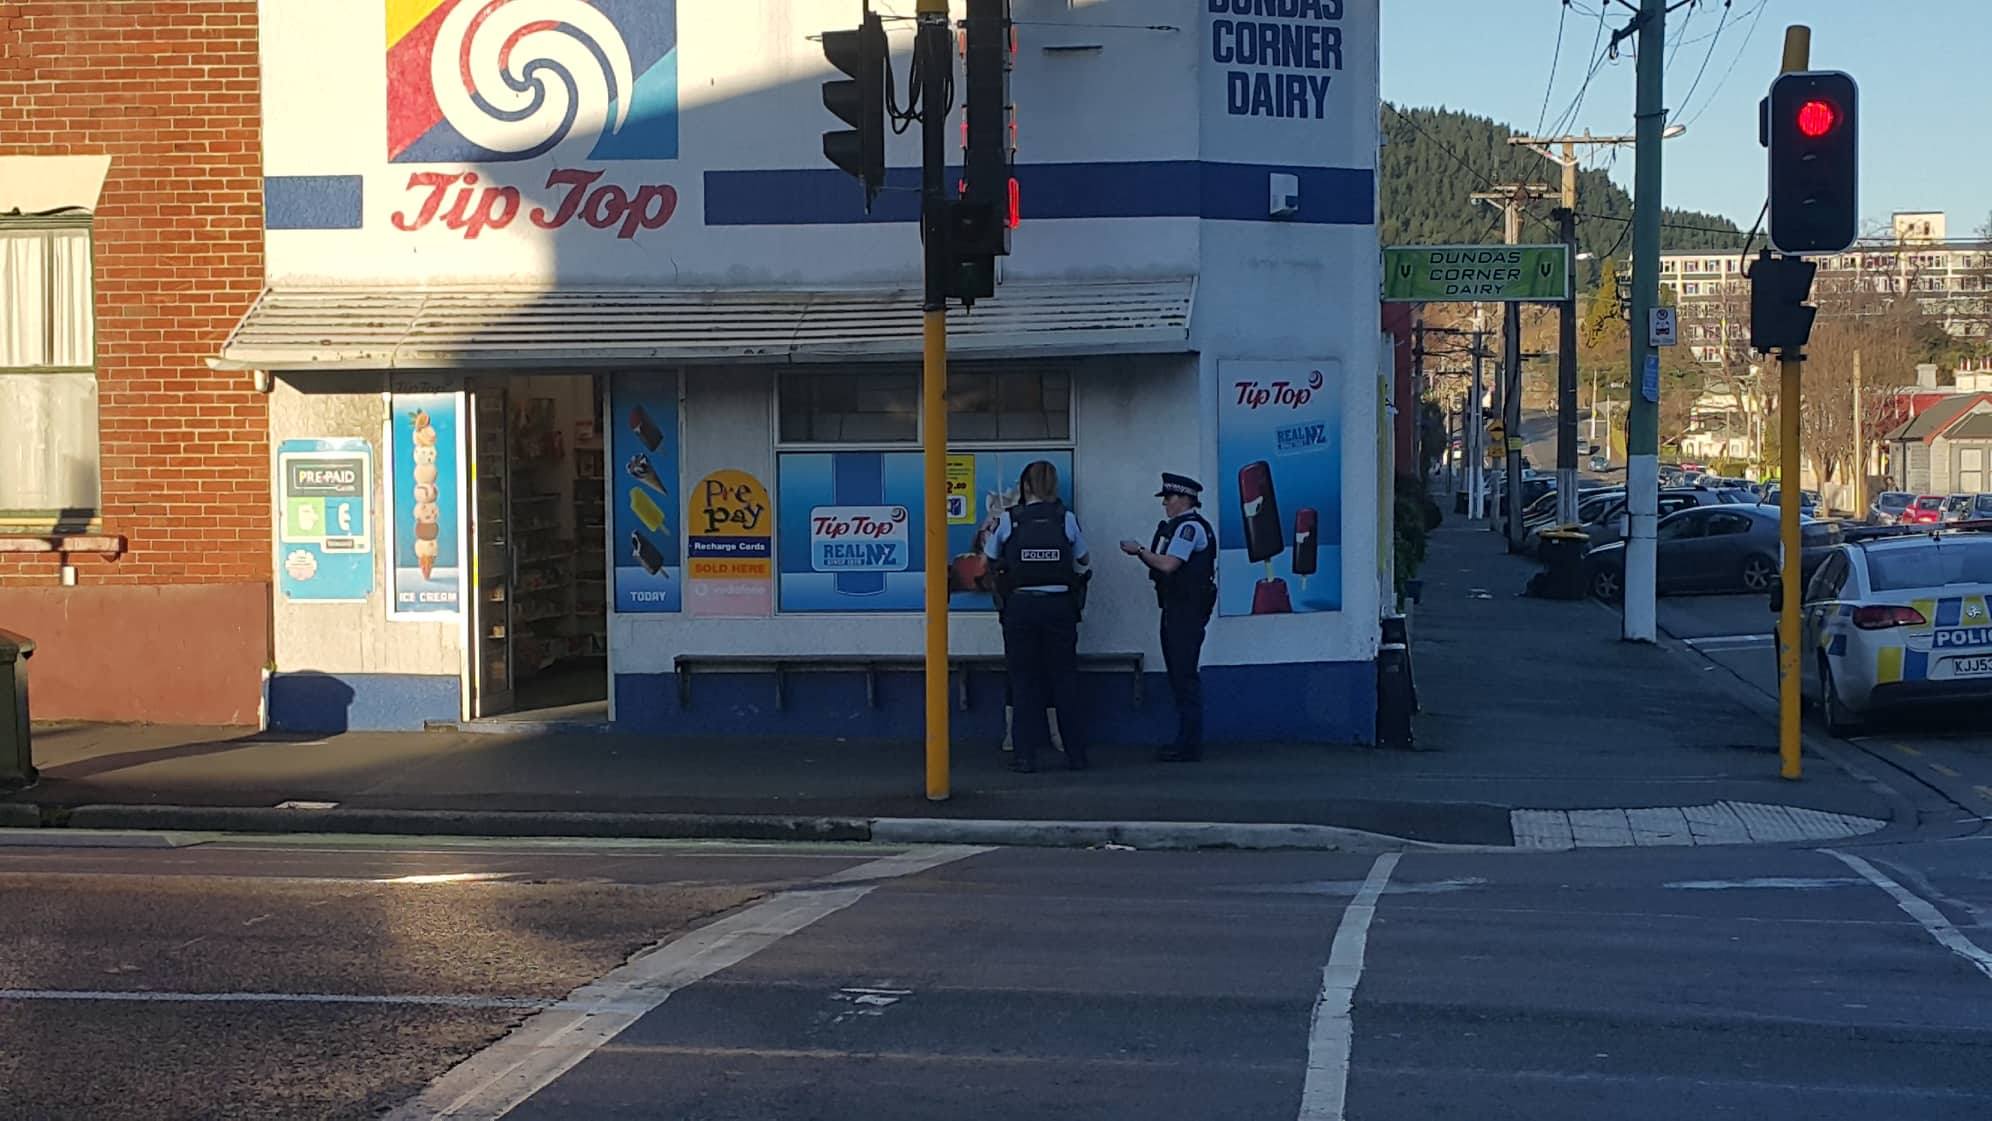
{"points": [[168, 89]]}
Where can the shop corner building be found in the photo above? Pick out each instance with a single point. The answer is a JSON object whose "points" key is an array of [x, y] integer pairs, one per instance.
{"points": [[591, 381]]}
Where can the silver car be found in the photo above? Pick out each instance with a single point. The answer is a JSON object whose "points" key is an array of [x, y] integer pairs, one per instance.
{"points": [[1893, 622]]}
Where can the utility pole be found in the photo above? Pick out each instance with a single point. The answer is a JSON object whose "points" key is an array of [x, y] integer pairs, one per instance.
{"points": [[1417, 402], [1476, 427], [1566, 414], [1642, 431], [1859, 480], [1511, 197], [1566, 370]]}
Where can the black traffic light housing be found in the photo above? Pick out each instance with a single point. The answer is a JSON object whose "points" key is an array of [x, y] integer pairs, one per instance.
{"points": [[858, 101], [1779, 316], [1811, 124], [987, 118]]}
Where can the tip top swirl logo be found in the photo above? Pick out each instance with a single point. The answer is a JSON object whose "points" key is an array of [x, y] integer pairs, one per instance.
{"points": [[511, 80]]}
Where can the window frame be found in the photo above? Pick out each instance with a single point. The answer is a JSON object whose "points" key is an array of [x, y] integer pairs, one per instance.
{"points": [[1068, 442], [38, 522]]}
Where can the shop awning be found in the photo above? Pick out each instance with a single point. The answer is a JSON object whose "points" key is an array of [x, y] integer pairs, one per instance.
{"points": [[485, 329]]}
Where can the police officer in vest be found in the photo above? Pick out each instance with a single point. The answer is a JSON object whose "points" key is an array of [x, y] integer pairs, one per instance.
{"points": [[1182, 562], [1040, 579]]}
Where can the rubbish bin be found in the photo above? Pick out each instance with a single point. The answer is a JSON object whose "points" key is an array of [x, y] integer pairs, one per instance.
{"points": [[1563, 563], [16, 758]]}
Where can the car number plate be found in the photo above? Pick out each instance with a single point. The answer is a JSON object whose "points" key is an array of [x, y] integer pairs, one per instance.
{"points": [[1972, 667]]}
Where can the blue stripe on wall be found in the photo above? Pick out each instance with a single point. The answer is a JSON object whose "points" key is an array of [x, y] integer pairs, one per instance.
{"points": [[1152, 189], [825, 196], [313, 202]]}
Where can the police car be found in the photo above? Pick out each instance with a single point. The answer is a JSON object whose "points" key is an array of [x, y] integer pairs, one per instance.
{"points": [[1892, 621]]}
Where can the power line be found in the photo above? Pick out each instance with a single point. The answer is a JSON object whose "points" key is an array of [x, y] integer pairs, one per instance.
{"points": [[1556, 56], [1485, 180], [1756, 18], [1712, 42]]}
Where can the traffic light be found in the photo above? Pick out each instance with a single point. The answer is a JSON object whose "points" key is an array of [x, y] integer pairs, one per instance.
{"points": [[972, 228], [1811, 124], [1779, 317], [858, 101], [987, 125]]}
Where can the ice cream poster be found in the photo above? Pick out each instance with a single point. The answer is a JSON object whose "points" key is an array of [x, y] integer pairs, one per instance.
{"points": [[425, 531], [852, 526], [1277, 500], [644, 547], [325, 520]]}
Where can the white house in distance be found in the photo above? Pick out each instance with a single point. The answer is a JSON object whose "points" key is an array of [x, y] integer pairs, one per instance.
{"points": [[594, 386]]}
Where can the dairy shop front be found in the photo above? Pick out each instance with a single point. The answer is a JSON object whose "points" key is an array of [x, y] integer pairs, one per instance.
{"points": [[594, 388]]}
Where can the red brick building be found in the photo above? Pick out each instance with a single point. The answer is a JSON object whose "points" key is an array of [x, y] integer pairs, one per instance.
{"points": [[134, 481]]}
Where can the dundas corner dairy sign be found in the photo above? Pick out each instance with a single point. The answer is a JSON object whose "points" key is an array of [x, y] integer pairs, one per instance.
{"points": [[483, 95], [1279, 58], [1437, 273]]}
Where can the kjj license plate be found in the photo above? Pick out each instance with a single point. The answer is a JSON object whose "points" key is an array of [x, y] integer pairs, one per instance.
{"points": [[1972, 667]]}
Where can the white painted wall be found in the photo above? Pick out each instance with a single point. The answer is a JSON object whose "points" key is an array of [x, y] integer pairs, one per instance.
{"points": [[749, 85], [343, 638]]}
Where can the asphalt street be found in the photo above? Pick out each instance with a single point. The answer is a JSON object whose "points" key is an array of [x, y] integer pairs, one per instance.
{"points": [[325, 978], [1949, 750]]}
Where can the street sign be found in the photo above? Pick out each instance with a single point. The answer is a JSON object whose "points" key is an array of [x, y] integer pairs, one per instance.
{"points": [[1460, 273], [1662, 327]]}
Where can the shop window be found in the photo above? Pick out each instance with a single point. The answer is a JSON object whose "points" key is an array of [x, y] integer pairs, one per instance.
{"points": [[48, 384], [984, 407]]}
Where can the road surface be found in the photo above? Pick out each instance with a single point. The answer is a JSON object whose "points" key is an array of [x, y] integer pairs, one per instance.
{"points": [[320, 978]]}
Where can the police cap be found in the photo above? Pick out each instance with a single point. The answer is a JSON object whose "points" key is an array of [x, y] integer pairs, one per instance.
{"points": [[1180, 484]]}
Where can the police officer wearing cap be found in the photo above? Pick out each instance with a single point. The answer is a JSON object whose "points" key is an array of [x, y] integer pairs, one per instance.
{"points": [[1182, 561], [1040, 577]]}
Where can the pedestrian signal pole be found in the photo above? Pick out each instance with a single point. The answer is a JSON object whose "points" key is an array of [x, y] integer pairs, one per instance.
{"points": [[934, 58]]}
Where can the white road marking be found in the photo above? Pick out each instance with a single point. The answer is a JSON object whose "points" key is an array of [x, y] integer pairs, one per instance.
{"points": [[1922, 910], [1762, 883], [1324, 1095], [496, 1080]]}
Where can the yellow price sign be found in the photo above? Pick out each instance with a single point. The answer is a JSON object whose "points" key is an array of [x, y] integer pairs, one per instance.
{"points": [[961, 490]]}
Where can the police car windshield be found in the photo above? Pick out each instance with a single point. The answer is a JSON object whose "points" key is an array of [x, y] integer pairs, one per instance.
{"points": [[1932, 565]]}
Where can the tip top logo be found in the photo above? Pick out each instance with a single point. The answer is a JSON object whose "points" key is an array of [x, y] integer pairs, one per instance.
{"points": [[480, 81]]}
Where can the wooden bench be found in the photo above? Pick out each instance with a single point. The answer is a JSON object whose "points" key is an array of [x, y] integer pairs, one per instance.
{"points": [[959, 665]]}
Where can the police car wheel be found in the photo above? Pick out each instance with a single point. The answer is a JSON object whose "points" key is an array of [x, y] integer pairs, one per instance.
{"points": [[1839, 721], [1758, 573]]}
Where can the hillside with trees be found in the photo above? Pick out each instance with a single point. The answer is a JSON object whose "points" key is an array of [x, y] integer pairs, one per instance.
{"points": [[1434, 159]]}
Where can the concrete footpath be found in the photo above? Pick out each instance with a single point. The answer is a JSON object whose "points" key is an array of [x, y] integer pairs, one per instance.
{"points": [[1531, 708]]}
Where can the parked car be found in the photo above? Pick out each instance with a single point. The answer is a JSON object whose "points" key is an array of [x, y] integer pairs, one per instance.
{"points": [[1889, 506], [1899, 621], [1608, 526], [1713, 549], [1591, 505], [1928, 509], [1981, 507], [1957, 508], [1808, 500]]}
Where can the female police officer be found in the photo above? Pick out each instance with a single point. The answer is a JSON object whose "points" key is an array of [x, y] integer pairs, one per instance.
{"points": [[1042, 555]]}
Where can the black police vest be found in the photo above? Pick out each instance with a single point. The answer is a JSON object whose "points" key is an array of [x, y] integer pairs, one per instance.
{"points": [[1194, 578], [1037, 554]]}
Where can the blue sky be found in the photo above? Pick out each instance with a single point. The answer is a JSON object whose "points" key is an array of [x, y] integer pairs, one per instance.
{"points": [[1926, 94]]}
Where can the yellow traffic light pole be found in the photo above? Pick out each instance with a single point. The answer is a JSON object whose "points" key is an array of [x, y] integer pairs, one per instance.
{"points": [[935, 49], [1797, 56]]}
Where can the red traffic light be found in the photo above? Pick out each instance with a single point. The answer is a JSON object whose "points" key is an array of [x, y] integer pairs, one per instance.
{"points": [[1816, 118]]}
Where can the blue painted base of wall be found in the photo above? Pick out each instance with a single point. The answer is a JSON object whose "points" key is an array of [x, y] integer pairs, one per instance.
{"points": [[361, 702], [1311, 702]]}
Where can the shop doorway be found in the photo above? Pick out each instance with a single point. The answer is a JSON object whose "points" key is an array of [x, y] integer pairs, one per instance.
{"points": [[539, 621]]}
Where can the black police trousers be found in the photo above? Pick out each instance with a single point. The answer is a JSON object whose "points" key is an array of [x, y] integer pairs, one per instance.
{"points": [[1041, 654], [1183, 624]]}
